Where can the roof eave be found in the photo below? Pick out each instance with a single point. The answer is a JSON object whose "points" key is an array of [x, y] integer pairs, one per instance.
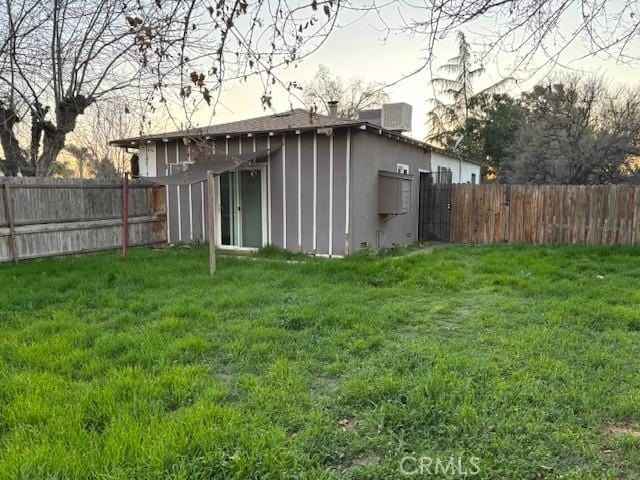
{"points": [[370, 127], [135, 142]]}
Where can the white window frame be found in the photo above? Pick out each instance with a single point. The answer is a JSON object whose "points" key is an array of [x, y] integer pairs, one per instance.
{"points": [[402, 168], [176, 168]]}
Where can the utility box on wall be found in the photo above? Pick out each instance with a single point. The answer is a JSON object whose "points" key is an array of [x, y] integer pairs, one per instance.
{"points": [[394, 193]]}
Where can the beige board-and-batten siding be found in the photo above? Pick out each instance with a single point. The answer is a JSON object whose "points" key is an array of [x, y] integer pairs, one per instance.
{"points": [[546, 214], [56, 217], [307, 189]]}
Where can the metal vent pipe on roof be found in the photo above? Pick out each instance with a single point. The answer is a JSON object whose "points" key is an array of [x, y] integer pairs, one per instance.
{"points": [[333, 108]]}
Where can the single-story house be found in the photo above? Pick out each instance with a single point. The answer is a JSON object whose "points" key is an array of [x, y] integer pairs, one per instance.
{"points": [[299, 180]]}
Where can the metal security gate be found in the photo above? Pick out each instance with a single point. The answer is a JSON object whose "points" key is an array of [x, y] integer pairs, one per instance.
{"points": [[434, 215]]}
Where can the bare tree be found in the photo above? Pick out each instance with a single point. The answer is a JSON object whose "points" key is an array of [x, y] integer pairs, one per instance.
{"points": [[63, 56], [87, 165], [194, 47], [59, 57], [103, 122], [89, 144], [537, 35], [83, 160], [352, 95], [550, 27]]}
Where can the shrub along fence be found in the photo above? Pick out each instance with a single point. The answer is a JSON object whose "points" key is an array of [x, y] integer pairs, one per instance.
{"points": [[41, 217], [546, 214]]}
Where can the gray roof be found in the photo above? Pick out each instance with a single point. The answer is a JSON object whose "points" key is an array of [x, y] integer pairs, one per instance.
{"points": [[297, 119], [292, 120]]}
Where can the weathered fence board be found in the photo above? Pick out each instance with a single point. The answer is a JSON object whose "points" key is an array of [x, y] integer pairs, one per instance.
{"points": [[544, 214], [42, 217]]}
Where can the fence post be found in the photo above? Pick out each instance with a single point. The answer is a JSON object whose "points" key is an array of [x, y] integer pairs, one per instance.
{"points": [[8, 208], [125, 215], [211, 196]]}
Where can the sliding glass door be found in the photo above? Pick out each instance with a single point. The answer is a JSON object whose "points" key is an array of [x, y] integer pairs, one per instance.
{"points": [[228, 208], [250, 183], [242, 212]]}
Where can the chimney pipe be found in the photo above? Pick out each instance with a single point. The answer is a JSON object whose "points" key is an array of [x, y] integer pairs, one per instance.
{"points": [[333, 108]]}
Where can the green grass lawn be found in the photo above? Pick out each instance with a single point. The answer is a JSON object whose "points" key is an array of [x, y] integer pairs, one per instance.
{"points": [[525, 358]]}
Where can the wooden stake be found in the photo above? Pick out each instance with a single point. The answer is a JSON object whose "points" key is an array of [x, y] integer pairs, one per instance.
{"points": [[125, 215], [8, 208], [211, 194]]}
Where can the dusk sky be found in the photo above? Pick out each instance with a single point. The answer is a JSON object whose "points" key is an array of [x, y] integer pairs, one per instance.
{"points": [[360, 49]]}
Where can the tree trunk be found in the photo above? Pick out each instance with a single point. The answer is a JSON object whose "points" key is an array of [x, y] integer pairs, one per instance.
{"points": [[52, 136], [67, 112], [52, 145], [14, 156]]}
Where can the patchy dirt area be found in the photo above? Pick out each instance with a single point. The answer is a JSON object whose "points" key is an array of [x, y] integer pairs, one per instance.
{"points": [[366, 460], [428, 248], [626, 428]]}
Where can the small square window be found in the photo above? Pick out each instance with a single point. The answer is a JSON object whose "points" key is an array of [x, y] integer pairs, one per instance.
{"points": [[402, 168], [444, 175], [176, 168]]}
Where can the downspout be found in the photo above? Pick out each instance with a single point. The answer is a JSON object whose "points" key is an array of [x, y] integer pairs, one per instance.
{"points": [[347, 233]]}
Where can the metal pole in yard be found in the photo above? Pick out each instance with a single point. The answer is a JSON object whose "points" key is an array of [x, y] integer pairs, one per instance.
{"points": [[125, 215], [8, 208], [211, 196]]}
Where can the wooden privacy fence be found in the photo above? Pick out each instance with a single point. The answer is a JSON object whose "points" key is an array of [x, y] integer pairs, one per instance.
{"points": [[546, 214], [42, 217], [532, 214]]}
